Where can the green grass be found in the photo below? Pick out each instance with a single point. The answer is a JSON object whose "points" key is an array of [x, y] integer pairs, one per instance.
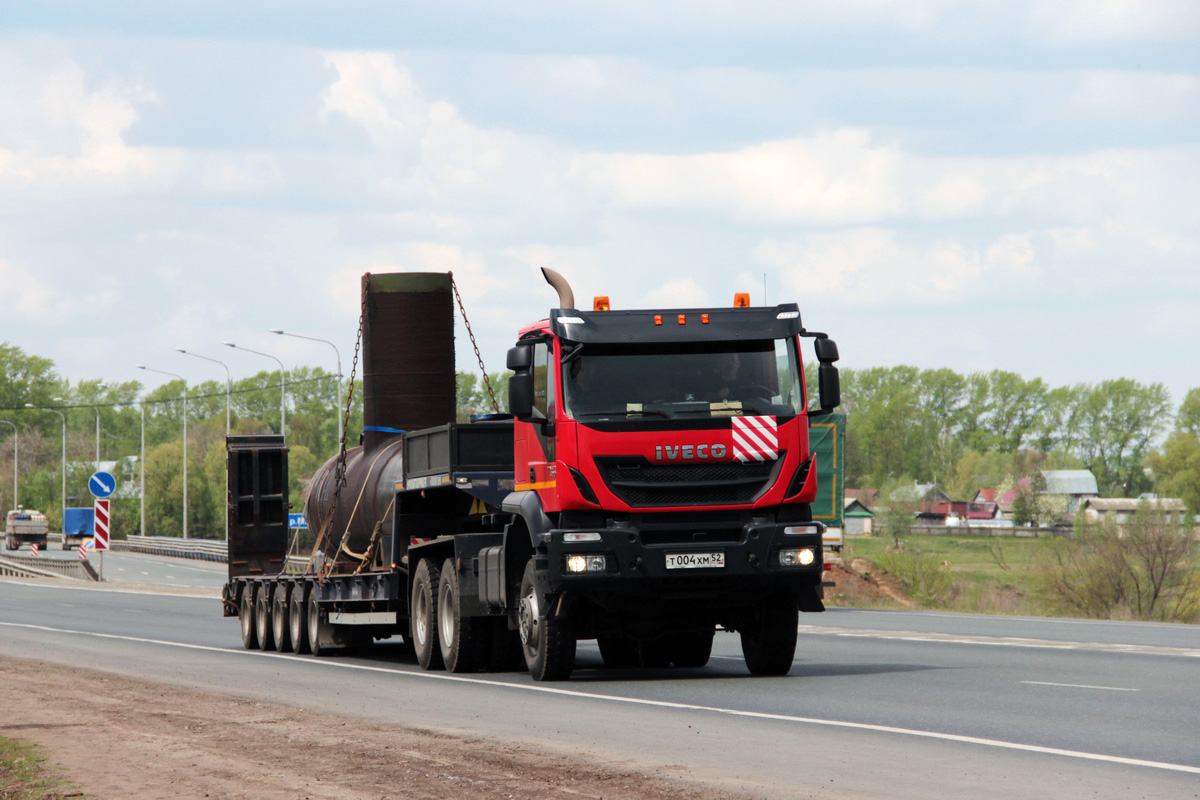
{"points": [[989, 574], [24, 774]]}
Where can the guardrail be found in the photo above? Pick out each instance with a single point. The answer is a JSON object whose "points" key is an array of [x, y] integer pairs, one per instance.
{"points": [[34, 567], [202, 549]]}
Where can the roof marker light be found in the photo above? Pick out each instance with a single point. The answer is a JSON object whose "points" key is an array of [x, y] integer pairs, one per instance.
{"points": [[658, 319], [787, 315], [570, 320], [741, 300], [683, 319], [600, 303], [704, 319]]}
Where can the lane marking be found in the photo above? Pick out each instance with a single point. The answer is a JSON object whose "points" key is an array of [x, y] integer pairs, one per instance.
{"points": [[1081, 686], [730, 712], [1001, 641]]}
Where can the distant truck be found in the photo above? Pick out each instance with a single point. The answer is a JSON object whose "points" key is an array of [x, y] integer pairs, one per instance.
{"points": [[25, 527], [78, 524]]}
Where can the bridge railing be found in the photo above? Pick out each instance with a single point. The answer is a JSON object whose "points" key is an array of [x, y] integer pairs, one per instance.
{"points": [[36, 567]]}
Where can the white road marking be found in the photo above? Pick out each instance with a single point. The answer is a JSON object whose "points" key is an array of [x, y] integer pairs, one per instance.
{"points": [[1081, 686], [1001, 641], [732, 712]]}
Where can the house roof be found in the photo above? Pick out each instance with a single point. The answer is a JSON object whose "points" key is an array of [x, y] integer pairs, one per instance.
{"points": [[1070, 481], [1131, 504], [986, 495], [854, 507]]}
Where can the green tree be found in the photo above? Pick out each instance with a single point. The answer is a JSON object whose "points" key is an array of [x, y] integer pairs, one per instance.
{"points": [[1176, 468], [1120, 419]]}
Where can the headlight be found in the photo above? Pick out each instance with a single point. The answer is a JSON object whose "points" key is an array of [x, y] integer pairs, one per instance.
{"points": [[586, 562], [797, 557]]}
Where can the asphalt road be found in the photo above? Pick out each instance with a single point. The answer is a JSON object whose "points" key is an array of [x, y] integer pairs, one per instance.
{"points": [[126, 567], [878, 704]]}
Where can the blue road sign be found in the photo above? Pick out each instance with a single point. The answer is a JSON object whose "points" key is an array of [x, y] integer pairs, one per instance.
{"points": [[102, 484], [297, 521]]}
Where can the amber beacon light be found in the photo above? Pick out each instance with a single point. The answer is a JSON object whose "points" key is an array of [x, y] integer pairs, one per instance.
{"points": [[600, 303], [741, 300]]}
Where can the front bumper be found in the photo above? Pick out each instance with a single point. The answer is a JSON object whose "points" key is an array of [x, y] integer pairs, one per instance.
{"points": [[752, 556]]}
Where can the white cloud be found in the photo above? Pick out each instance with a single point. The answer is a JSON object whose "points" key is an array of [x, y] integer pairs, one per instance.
{"points": [[22, 295], [681, 293]]}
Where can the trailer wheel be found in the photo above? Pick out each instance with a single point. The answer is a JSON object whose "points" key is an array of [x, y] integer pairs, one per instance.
{"points": [[617, 651], [298, 618], [425, 615], [262, 617], [692, 649], [769, 635], [547, 641], [318, 629], [246, 618], [280, 627], [463, 640]]}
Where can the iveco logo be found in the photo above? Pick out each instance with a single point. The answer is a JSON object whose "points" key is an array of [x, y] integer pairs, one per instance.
{"points": [[689, 452]]}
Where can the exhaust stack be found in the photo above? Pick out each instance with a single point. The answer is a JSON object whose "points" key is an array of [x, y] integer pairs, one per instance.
{"points": [[566, 297]]}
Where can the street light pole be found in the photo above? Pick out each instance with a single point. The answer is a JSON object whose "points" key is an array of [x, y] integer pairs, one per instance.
{"points": [[64, 457], [339, 375], [282, 384], [228, 381], [16, 471], [185, 481], [142, 464]]}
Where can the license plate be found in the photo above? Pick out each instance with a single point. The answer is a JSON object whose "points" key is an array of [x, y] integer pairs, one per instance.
{"points": [[695, 560]]}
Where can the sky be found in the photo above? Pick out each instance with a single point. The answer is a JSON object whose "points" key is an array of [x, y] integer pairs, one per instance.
{"points": [[974, 185]]}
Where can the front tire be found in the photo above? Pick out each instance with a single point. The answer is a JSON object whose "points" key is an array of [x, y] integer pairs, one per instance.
{"points": [[463, 640], [547, 641], [769, 636], [692, 649], [424, 609]]}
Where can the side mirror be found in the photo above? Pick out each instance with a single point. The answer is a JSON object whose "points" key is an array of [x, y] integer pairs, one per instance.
{"points": [[830, 391], [520, 392], [827, 351], [520, 358]]}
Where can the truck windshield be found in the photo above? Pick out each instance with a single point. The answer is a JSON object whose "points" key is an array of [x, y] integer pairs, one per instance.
{"points": [[682, 380]]}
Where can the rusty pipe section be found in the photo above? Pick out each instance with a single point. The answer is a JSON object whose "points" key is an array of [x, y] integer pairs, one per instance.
{"points": [[366, 498]]}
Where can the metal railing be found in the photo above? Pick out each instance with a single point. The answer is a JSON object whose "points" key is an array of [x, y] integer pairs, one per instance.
{"points": [[202, 549], [35, 567]]}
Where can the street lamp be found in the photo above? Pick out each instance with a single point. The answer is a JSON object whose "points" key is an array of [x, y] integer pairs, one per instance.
{"points": [[339, 374], [228, 381], [185, 482], [282, 384], [142, 464], [64, 455], [13, 425]]}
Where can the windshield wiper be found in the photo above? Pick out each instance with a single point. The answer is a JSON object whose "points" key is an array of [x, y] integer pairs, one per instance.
{"points": [[622, 413]]}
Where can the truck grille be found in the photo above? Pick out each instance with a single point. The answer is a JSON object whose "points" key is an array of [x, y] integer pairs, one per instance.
{"points": [[642, 484]]}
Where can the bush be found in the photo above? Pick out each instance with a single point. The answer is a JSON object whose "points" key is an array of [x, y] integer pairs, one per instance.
{"points": [[922, 574]]}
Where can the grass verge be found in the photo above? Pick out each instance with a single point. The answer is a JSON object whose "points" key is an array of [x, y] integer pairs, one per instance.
{"points": [[24, 775]]}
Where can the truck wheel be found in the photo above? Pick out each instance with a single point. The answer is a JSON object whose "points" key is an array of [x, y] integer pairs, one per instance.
{"points": [[463, 640], [280, 627], [769, 636], [692, 649], [548, 642], [246, 618], [424, 609], [617, 651], [262, 617], [298, 618], [318, 629]]}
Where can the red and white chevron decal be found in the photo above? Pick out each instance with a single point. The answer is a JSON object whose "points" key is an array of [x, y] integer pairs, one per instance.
{"points": [[101, 527], [33, 548], [755, 439]]}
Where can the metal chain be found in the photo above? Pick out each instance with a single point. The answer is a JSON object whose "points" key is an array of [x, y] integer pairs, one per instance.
{"points": [[339, 475], [467, 323]]}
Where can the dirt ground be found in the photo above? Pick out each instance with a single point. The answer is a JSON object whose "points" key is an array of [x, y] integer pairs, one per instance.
{"points": [[123, 739]]}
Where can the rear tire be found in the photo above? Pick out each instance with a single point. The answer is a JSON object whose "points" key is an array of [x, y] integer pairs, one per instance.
{"points": [[655, 654], [298, 618], [280, 624], [262, 617], [769, 636], [463, 640], [246, 618], [318, 629], [547, 641], [424, 609]]}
